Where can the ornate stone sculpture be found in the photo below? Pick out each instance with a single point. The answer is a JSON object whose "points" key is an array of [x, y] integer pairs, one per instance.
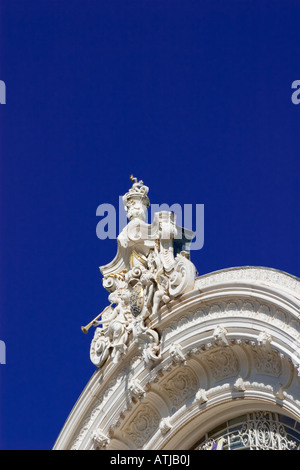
{"points": [[145, 274]]}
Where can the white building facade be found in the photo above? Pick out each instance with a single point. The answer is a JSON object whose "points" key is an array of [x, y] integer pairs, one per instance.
{"points": [[185, 362]]}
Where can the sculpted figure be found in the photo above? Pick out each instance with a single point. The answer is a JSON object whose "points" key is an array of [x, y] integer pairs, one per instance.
{"points": [[160, 281], [114, 332], [146, 273], [118, 322]]}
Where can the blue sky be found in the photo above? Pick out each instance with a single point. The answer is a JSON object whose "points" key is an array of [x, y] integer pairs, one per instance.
{"points": [[193, 97]]}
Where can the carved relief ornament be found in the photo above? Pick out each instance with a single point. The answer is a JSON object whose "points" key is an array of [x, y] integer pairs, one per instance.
{"points": [[145, 274]]}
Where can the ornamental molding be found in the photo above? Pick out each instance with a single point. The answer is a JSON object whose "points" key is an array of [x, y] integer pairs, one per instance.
{"points": [[260, 275], [201, 360], [266, 311]]}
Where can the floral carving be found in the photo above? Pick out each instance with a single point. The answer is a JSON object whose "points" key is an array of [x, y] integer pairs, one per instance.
{"points": [[143, 425], [223, 363], [182, 385], [266, 361]]}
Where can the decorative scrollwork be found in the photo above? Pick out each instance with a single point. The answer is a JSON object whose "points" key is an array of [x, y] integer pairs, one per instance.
{"points": [[143, 277]]}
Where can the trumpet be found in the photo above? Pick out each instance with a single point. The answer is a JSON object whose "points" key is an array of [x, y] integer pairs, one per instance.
{"points": [[86, 328]]}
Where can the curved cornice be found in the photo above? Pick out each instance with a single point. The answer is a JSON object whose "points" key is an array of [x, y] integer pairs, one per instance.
{"points": [[230, 343]]}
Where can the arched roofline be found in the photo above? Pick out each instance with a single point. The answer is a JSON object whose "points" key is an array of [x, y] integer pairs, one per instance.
{"points": [[246, 317]]}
